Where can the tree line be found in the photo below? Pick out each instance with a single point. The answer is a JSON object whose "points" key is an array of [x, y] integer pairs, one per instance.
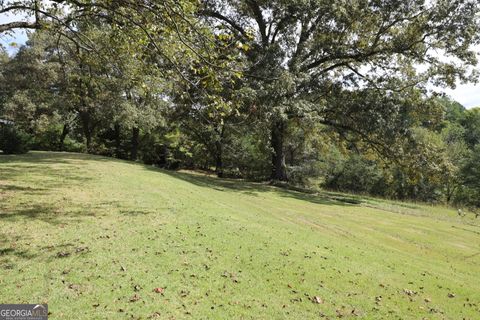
{"points": [[313, 92]]}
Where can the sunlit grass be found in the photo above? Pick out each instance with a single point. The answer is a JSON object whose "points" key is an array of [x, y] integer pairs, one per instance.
{"points": [[99, 238]]}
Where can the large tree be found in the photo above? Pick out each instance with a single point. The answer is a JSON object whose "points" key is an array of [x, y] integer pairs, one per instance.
{"points": [[352, 64], [170, 27]]}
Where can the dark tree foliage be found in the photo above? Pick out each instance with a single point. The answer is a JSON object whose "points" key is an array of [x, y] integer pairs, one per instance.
{"points": [[13, 140], [307, 55]]}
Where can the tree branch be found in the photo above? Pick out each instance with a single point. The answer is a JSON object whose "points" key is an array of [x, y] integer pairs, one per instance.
{"points": [[258, 16], [18, 25], [217, 15]]}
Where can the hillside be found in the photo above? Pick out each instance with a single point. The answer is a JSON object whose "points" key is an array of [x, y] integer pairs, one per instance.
{"points": [[100, 238]]}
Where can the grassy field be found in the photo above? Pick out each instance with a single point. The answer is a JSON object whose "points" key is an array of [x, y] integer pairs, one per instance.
{"points": [[97, 238]]}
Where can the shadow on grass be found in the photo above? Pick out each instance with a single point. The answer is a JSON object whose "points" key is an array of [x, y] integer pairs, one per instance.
{"points": [[43, 173], [136, 212], [46, 164], [10, 252], [15, 188], [43, 212], [37, 174], [4, 252], [255, 188]]}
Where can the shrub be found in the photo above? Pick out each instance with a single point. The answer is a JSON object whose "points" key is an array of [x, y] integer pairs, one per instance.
{"points": [[154, 150], [13, 140], [48, 138], [355, 174], [72, 145]]}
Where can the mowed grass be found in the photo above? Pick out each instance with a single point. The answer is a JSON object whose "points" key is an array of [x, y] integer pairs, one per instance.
{"points": [[94, 237]]}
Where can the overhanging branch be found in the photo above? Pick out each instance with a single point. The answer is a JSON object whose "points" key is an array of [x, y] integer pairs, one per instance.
{"points": [[18, 25]]}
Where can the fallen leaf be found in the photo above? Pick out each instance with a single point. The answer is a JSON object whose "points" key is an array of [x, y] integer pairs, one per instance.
{"points": [[317, 300], [134, 298], [155, 315], [158, 290], [409, 292], [63, 254], [81, 249]]}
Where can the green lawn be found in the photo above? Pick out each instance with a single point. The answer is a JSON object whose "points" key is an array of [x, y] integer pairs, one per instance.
{"points": [[93, 237]]}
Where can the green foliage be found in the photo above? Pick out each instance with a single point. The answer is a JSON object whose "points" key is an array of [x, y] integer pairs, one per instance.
{"points": [[73, 145], [470, 173], [350, 65], [13, 140], [48, 139], [248, 154], [471, 123], [356, 174], [48, 133], [313, 92], [162, 152], [454, 111]]}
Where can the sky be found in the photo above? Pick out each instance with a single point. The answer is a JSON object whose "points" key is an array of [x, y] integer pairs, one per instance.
{"points": [[13, 41], [466, 94]]}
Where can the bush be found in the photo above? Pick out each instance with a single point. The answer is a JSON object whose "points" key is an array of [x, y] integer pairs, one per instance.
{"points": [[153, 150], [356, 174], [155, 154], [248, 157], [72, 145], [301, 175], [13, 140], [469, 193], [48, 138]]}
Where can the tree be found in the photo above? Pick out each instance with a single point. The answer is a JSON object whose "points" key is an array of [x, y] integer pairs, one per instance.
{"points": [[169, 28], [108, 90], [31, 83], [456, 152], [305, 54], [471, 178], [471, 123], [3, 62]]}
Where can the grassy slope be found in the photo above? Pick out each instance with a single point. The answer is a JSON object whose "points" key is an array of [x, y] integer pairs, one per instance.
{"points": [[89, 234]]}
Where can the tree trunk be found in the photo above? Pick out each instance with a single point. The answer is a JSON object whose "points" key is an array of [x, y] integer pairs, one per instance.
{"points": [[88, 141], [449, 193], [65, 131], [279, 172], [134, 150], [117, 140], [87, 130], [218, 159], [84, 110]]}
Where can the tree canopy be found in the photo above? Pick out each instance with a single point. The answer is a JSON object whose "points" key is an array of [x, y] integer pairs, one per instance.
{"points": [[311, 91]]}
